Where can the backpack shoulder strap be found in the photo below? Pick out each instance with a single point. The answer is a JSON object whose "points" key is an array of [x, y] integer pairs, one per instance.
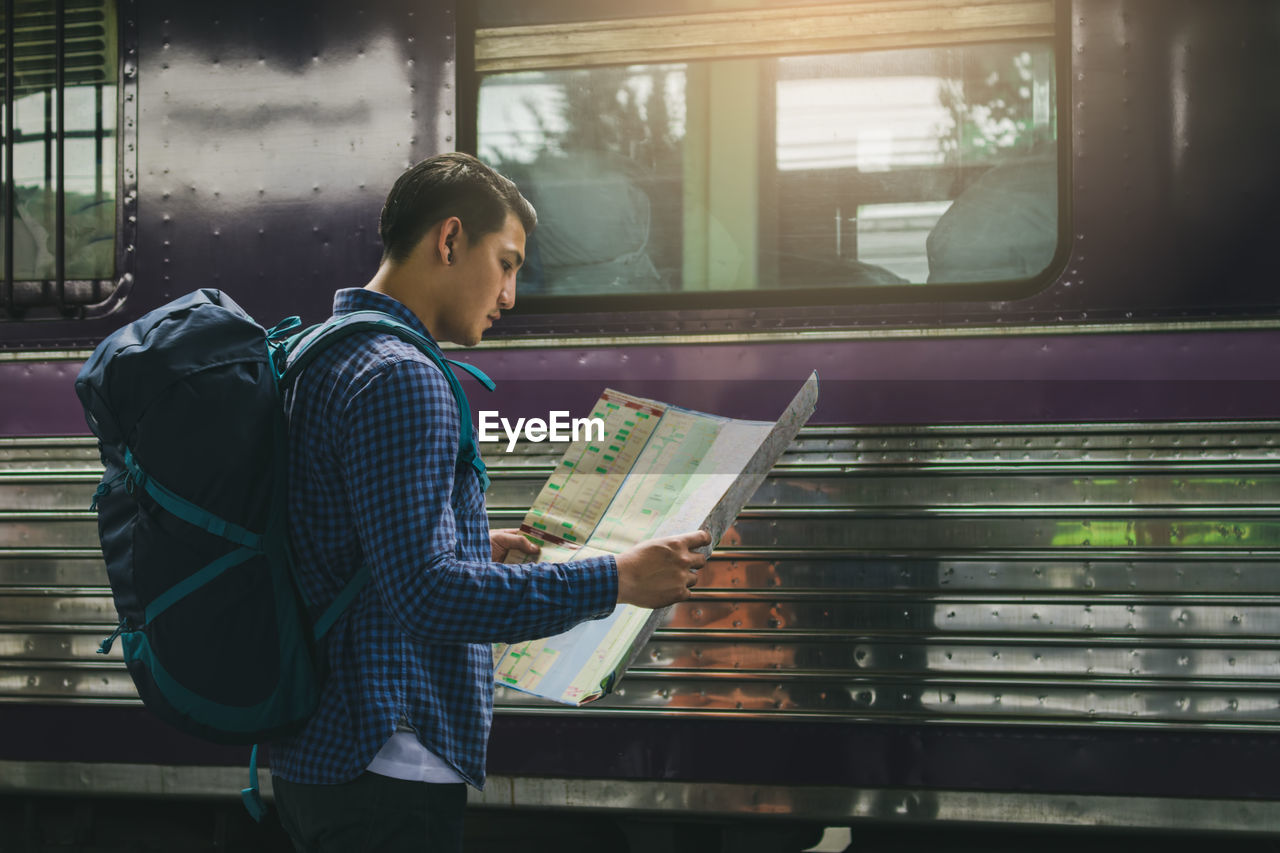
{"points": [[301, 349], [292, 355]]}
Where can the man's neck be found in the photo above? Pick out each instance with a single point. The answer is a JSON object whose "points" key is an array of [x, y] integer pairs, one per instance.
{"points": [[399, 283]]}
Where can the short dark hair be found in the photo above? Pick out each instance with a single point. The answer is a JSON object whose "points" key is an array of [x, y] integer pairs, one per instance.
{"points": [[448, 185]]}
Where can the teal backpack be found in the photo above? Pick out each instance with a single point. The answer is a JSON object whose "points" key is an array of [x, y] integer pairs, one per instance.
{"points": [[186, 403]]}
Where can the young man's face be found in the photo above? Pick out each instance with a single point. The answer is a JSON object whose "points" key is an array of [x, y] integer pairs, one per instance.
{"points": [[485, 282]]}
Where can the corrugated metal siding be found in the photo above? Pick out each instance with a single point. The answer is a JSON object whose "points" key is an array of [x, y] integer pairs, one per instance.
{"points": [[1084, 575]]}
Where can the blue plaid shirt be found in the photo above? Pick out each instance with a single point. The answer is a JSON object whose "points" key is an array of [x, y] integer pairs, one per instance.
{"points": [[373, 476]]}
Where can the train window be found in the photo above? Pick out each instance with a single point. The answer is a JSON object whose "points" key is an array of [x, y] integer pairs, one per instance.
{"points": [[59, 159], [866, 148]]}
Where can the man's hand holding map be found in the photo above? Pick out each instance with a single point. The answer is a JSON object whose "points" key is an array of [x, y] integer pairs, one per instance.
{"points": [[658, 471]]}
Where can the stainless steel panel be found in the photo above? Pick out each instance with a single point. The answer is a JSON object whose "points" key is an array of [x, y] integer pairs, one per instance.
{"points": [[47, 645], [1183, 434], [769, 654], [513, 492], [57, 607], [976, 530], [1008, 616], [902, 454], [1235, 704], [1184, 440], [1094, 486], [48, 530], [1187, 443], [1082, 574], [840, 806], [45, 568], [62, 777], [1087, 488], [979, 531], [926, 446], [49, 453], [823, 573], [64, 683], [36, 492]]}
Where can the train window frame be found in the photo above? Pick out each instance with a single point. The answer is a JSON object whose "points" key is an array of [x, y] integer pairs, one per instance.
{"points": [[63, 295], [733, 34]]}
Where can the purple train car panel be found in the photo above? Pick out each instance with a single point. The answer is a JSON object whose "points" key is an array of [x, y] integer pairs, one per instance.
{"points": [[1021, 559]]}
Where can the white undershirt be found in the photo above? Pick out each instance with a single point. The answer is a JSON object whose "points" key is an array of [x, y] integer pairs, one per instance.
{"points": [[404, 757]]}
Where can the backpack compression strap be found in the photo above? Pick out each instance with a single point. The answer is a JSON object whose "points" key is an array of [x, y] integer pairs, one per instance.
{"points": [[301, 349]]}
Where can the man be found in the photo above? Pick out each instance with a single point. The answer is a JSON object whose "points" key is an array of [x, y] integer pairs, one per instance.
{"points": [[404, 715]]}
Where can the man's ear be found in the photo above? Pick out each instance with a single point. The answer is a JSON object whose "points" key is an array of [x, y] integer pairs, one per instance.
{"points": [[447, 239]]}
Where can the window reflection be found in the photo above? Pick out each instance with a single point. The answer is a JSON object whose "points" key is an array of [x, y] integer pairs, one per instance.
{"points": [[921, 166], [599, 153], [87, 142]]}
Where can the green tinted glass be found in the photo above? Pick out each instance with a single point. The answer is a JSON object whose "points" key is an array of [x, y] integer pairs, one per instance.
{"points": [[923, 166]]}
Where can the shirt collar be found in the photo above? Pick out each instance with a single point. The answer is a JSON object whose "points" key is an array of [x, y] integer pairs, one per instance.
{"points": [[352, 299]]}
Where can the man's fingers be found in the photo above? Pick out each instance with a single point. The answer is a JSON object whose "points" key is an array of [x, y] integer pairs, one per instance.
{"points": [[694, 539], [514, 540]]}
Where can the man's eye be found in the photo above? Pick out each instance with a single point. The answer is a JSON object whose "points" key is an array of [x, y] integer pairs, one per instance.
{"points": [[506, 266]]}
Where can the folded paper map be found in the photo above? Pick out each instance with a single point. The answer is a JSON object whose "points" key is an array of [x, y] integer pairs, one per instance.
{"points": [[659, 470]]}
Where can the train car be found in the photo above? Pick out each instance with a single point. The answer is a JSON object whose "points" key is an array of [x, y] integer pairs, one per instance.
{"points": [[1021, 568]]}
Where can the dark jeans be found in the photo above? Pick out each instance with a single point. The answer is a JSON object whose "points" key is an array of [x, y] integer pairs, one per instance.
{"points": [[372, 813]]}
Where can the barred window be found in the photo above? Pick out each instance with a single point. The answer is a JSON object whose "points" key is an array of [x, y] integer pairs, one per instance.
{"points": [[58, 187]]}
